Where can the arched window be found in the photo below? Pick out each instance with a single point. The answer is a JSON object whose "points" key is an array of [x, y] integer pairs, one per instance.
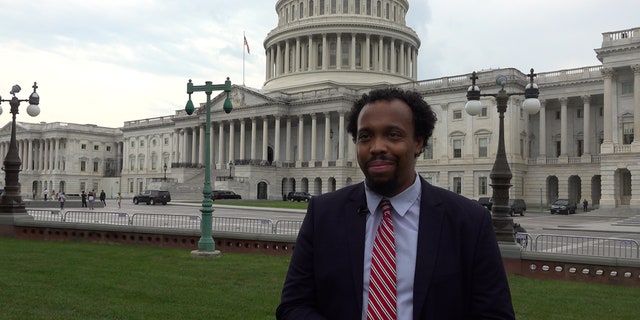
{"points": [[310, 8], [379, 9], [301, 10]]}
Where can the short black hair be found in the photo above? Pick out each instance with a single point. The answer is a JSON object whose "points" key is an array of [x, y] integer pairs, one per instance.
{"points": [[424, 119]]}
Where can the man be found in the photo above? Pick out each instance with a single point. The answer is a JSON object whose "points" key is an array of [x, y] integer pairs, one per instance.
{"points": [[83, 197], [447, 261], [103, 198]]}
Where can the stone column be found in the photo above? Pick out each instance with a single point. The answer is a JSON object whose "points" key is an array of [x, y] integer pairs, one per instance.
{"points": [[311, 66], [338, 51], [325, 52], [194, 145], [367, 53], [201, 146], [380, 53], [232, 143], [586, 137], [563, 128], [352, 54], [30, 147], [314, 135], [276, 152], [221, 163], [542, 135], [635, 146], [392, 56], [300, 139], [253, 138], [286, 57], [608, 117], [327, 137], [242, 138], [278, 60], [265, 138], [287, 152]]}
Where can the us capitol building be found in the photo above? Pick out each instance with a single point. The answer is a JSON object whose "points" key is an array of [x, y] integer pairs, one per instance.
{"points": [[290, 135]]}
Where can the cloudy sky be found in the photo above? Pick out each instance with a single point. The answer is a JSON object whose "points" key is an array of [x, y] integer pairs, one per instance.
{"points": [[107, 62]]}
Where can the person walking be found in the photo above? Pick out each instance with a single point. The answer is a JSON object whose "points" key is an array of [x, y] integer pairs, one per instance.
{"points": [[83, 197], [103, 198], [394, 246], [585, 205], [119, 200], [91, 199], [62, 200], [45, 194]]}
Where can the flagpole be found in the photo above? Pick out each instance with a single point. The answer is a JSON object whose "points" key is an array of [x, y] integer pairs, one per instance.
{"points": [[243, 44]]}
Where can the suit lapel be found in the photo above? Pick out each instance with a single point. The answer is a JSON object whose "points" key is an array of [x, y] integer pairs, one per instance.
{"points": [[356, 224], [430, 228]]}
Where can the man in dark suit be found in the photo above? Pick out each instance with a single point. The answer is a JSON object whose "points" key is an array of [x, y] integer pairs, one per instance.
{"points": [[447, 263]]}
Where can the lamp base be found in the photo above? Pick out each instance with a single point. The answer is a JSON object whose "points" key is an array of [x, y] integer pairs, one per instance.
{"points": [[206, 254]]}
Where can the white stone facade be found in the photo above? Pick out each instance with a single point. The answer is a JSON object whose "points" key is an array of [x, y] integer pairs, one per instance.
{"points": [[291, 134]]}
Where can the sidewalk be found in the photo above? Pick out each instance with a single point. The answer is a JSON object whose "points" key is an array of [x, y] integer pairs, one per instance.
{"points": [[618, 220]]}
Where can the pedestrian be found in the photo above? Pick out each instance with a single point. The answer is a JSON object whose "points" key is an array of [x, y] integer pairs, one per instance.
{"points": [[435, 250], [585, 205], [103, 198], [119, 200], [45, 194], [91, 199], [62, 199], [83, 197]]}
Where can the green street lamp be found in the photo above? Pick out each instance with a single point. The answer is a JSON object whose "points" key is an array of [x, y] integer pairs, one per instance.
{"points": [[206, 245], [501, 173], [11, 200]]}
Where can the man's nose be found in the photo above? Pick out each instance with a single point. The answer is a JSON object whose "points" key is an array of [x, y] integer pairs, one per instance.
{"points": [[378, 145]]}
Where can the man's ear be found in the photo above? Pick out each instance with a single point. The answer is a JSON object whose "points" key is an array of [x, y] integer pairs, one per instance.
{"points": [[419, 146]]}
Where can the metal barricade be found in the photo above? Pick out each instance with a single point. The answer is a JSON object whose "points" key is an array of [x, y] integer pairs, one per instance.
{"points": [[45, 214], [287, 227], [587, 246], [118, 218], [177, 221], [249, 225]]}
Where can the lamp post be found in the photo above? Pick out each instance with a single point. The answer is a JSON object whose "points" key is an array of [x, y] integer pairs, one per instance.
{"points": [[11, 200], [501, 173], [165, 171], [206, 246], [230, 166]]}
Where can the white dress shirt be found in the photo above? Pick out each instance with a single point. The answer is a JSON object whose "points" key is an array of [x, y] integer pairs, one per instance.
{"points": [[405, 215]]}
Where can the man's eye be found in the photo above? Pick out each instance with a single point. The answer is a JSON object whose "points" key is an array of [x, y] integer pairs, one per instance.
{"points": [[363, 137]]}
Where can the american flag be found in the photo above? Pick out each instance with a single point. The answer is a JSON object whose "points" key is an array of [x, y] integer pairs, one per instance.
{"points": [[247, 45]]}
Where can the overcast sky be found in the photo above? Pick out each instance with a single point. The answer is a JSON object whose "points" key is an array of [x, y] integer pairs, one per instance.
{"points": [[107, 62]]}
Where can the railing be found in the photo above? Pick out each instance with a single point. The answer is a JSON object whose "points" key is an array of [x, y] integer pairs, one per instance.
{"points": [[581, 245], [175, 221]]}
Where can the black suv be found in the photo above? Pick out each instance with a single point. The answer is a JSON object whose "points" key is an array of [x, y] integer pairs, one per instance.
{"points": [[224, 194], [486, 202], [299, 196], [517, 206], [152, 197]]}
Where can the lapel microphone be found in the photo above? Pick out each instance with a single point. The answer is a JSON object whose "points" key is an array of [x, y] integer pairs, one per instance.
{"points": [[362, 210]]}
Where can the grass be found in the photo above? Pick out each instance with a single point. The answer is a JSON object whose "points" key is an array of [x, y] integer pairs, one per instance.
{"points": [[68, 280]]}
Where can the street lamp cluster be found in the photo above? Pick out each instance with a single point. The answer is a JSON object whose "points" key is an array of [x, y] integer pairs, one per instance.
{"points": [[206, 246], [11, 200], [501, 173]]}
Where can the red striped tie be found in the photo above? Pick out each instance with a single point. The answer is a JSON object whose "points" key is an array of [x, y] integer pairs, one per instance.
{"points": [[382, 280]]}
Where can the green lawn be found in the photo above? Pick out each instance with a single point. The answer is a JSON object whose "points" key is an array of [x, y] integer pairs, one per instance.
{"points": [[67, 280]]}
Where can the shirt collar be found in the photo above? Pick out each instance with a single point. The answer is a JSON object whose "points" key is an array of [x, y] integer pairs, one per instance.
{"points": [[400, 202]]}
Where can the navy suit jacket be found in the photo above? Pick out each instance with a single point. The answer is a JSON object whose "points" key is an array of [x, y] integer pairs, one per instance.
{"points": [[459, 272]]}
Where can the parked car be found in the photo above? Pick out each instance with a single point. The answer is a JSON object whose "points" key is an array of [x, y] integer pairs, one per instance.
{"points": [[153, 197], [224, 194], [486, 202], [299, 196], [518, 206], [563, 206]]}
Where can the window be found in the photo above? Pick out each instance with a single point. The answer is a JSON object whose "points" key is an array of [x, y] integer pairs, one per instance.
{"points": [[133, 143], [428, 150], [130, 185], [579, 113], [345, 53], [319, 64], [108, 148], [293, 12], [627, 133], [83, 166], [333, 6], [357, 6], [580, 145], [379, 9], [142, 143], [141, 163], [483, 144], [321, 9], [96, 147], [368, 8], [483, 112], [83, 146], [601, 111], [557, 115], [482, 185], [457, 148], [457, 185], [332, 54], [457, 114], [522, 147], [95, 166], [345, 6], [558, 149], [627, 88], [166, 141], [301, 10], [83, 186]]}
